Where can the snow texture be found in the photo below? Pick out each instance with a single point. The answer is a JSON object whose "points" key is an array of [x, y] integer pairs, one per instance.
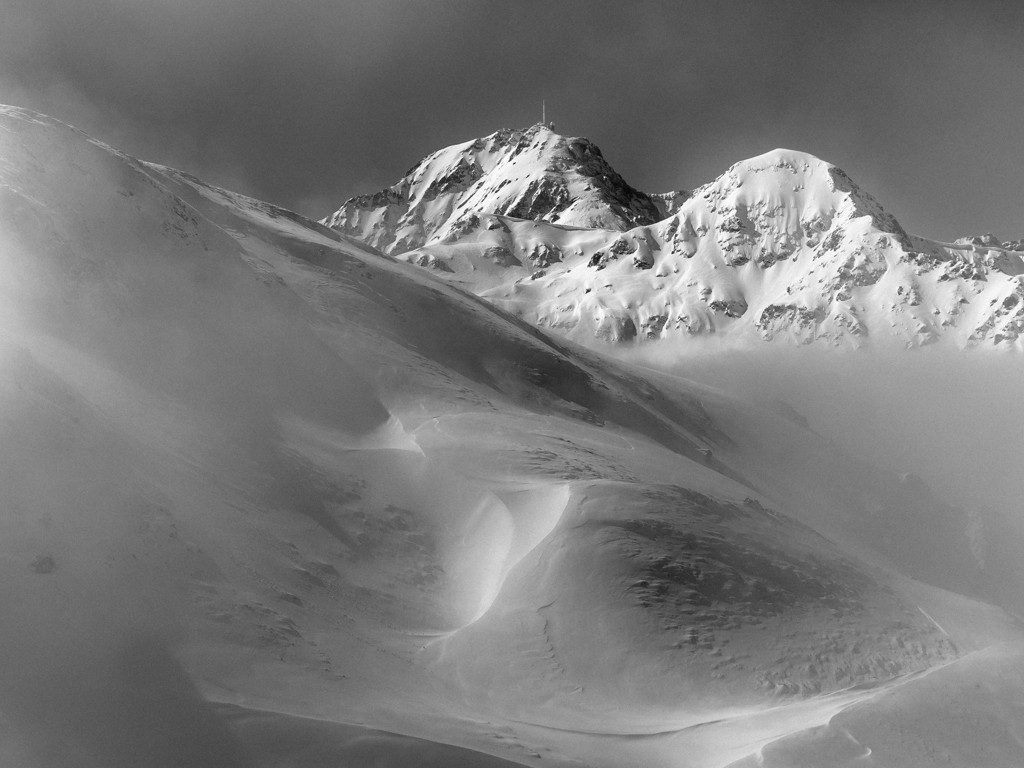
{"points": [[272, 498], [781, 246]]}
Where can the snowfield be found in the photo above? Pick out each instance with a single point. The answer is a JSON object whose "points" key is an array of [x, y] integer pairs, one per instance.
{"points": [[271, 497]]}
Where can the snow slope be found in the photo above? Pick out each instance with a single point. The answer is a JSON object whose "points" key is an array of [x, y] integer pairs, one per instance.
{"points": [[258, 478], [781, 246]]}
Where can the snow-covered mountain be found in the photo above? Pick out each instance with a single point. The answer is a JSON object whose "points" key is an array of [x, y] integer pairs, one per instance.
{"points": [[781, 246], [271, 497], [530, 174]]}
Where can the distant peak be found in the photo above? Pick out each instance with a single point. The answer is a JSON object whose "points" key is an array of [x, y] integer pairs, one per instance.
{"points": [[782, 169], [781, 159], [526, 173]]}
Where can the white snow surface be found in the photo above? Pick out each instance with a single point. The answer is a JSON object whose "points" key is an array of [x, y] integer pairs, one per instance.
{"points": [[273, 498], [532, 173], [781, 246]]}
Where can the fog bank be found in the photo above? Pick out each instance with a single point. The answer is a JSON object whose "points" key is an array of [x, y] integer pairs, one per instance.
{"points": [[953, 417]]}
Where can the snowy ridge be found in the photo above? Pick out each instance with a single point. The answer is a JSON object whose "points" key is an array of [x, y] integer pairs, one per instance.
{"points": [[781, 246], [247, 460], [527, 174]]}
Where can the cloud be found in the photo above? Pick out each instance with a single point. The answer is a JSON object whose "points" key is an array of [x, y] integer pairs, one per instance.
{"points": [[952, 417]]}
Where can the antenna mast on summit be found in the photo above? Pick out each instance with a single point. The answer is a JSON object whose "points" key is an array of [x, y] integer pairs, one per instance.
{"points": [[544, 115]]}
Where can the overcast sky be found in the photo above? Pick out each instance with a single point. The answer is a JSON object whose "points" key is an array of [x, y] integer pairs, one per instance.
{"points": [[307, 102]]}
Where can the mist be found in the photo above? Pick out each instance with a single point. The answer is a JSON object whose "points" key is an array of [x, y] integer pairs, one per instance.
{"points": [[142, 371], [90, 594], [952, 417], [259, 484]]}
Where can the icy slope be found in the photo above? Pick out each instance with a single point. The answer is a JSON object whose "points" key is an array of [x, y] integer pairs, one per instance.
{"points": [[314, 482], [528, 174], [783, 245]]}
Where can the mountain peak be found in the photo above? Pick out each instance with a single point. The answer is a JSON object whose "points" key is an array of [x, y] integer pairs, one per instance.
{"points": [[532, 173], [793, 175], [781, 245], [789, 185]]}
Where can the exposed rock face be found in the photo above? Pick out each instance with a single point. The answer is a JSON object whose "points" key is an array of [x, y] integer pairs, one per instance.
{"points": [[544, 255], [670, 202], [502, 256], [525, 174], [1002, 257]]}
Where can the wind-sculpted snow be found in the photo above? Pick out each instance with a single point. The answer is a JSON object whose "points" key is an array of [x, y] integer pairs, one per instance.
{"points": [[701, 590], [781, 246], [250, 461], [909, 725]]}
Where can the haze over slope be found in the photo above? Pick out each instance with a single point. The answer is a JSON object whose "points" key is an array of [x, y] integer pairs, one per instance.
{"points": [[783, 245], [248, 460]]}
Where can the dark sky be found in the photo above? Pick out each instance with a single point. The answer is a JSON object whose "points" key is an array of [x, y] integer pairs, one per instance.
{"points": [[307, 102]]}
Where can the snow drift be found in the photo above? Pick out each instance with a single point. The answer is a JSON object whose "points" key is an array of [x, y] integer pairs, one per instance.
{"points": [[260, 478]]}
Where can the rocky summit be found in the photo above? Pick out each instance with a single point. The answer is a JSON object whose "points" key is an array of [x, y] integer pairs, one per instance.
{"points": [[532, 174], [783, 246]]}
